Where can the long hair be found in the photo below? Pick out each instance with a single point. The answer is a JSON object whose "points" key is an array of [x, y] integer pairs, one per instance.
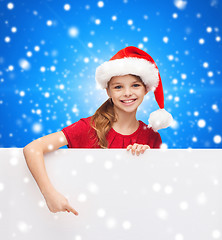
{"points": [[103, 119], [102, 122]]}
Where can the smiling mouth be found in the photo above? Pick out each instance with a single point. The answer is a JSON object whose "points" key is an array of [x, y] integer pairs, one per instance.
{"points": [[129, 101]]}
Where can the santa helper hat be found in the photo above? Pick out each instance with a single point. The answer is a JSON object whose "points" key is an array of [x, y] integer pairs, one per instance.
{"points": [[132, 60]]}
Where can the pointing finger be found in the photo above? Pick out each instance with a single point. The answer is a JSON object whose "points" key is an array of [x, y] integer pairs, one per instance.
{"points": [[70, 209]]}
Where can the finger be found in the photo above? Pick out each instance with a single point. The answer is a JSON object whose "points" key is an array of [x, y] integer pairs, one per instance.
{"points": [[129, 147], [65, 209], [138, 150], [146, 147], [134, 148], [70, 209]]}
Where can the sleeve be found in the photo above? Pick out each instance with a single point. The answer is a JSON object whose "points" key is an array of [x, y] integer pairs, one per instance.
{"points": [[158, 141], [74, 133]]}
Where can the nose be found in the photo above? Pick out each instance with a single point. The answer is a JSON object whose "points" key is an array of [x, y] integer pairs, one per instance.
{"points": [[127, 92]]}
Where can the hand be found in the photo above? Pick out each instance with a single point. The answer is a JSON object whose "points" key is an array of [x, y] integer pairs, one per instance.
{"points": [[139, 148], [56, 202]]}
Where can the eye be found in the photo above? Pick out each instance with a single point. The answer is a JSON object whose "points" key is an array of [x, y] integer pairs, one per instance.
{"points": [[136, 85], [117, 87]]}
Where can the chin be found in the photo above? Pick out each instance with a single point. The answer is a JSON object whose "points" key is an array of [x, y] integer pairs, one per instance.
{"points": [[127, 109]]}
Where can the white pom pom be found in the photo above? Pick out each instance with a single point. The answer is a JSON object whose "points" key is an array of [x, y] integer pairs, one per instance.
{"points": [[160, 119]]}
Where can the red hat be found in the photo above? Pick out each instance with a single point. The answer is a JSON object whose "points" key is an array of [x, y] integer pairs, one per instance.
{"points": [[132, 60]]}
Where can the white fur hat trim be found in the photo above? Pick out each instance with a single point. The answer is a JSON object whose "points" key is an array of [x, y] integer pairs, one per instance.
{"points": [[128, 65], [160, 119]]}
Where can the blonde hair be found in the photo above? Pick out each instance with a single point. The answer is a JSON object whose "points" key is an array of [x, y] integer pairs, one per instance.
{"points": [[102, 122], [103, 119]]}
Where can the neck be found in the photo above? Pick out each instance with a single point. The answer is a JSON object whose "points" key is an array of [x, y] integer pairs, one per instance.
{"points": [[125, 121]]}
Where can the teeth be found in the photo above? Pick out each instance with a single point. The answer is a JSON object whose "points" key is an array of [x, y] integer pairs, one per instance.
{"points": [[129, 101]]}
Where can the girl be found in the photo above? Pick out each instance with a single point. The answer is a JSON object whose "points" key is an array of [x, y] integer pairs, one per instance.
{"points": [[127, 77]]}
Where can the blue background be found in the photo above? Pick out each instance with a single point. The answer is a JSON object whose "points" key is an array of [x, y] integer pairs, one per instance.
{"points": [[183, 37]]}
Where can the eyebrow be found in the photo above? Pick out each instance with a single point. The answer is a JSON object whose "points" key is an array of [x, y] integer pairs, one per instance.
{"points": [[121, 83]]}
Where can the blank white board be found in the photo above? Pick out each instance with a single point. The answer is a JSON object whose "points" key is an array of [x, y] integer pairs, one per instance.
{"points": [[160, 195]]}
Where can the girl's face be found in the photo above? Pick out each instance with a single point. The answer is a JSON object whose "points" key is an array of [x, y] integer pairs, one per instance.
{"points": [[127, 92]]}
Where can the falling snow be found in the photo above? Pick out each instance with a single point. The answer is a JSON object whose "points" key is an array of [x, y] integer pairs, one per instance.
{"points": [[48, 60], [24, 64], [180, 4], [97, 21], [10, 6], [67, 7], [201, 123], [7, 39], [175, 15], [100, 4], [130, 22], [217, 139], [14, 29], [165, 39], [73, 32]]}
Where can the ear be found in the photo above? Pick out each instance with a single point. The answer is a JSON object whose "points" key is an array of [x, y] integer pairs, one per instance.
{"points": [[108, 93], [146, 91]]}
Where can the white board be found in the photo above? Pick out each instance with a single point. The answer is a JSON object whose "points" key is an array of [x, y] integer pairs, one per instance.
{"points": [[160, 195]]}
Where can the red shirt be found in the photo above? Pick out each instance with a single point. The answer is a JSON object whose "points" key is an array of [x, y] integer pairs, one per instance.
{"points": [[80, 135]]}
